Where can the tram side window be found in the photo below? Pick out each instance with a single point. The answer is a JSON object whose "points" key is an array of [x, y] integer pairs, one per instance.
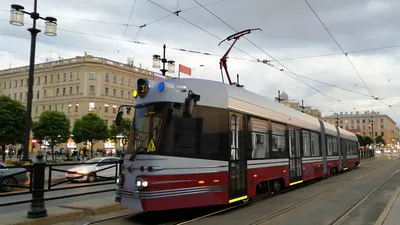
{"points": [[279, 148], [306, 143], [329, 145], [315, 144], [259, 139], [335, 147]]}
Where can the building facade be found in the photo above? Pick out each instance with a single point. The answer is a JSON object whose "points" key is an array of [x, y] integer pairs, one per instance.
{"points": [[284, 99], [76, 86], [361, 124]]}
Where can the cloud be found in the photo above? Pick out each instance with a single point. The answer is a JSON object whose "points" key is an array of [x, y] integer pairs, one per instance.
{"points": [[289, 30]]}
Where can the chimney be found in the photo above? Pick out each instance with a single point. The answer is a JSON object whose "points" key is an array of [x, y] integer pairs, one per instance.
{"points": [[351, 113], [341, 113], [357, 112], [345, 113]]}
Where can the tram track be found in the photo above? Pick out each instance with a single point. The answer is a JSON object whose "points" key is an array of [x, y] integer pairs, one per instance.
{"points": [[253, 200], [291, 207]]}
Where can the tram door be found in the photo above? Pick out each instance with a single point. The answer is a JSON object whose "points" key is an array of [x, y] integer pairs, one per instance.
{"points": [[295, 164], [237, 161]]}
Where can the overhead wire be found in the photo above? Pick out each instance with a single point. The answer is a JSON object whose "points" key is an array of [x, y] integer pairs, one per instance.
{"points": [[347, 57], [334, 39], [192, 51], [299, 78]]}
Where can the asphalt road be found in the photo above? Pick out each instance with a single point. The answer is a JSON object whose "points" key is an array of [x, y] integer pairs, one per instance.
{"points": [[323, 209]]}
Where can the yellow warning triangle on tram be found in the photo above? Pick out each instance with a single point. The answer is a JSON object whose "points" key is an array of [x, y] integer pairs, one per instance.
{"points": [[152, 146]]}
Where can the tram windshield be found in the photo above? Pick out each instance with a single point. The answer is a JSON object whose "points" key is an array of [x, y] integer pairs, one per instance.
{"points": [[147, 126]]}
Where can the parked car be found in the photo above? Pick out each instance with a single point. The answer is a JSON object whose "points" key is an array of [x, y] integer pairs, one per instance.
{"points": [[17, 179], [92, 172]]}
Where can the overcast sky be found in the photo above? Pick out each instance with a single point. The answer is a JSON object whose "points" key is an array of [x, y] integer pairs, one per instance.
{"points": [[366, 30]]}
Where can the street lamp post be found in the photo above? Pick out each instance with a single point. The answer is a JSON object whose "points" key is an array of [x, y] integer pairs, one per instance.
{"points": [[17, 18], [156, 63]]}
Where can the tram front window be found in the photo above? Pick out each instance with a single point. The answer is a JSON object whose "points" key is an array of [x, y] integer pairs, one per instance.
{"points": [[147, 126]]}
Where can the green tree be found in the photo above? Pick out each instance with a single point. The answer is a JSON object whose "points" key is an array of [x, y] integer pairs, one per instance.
{"points": [[12, 123], [53, 127], [360, 140], [121, 132], [368, 140], [90, 128], [379, 139]]}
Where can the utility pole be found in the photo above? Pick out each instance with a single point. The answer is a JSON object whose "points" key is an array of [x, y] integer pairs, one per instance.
{"points": [[279, 97], [302, 106]]}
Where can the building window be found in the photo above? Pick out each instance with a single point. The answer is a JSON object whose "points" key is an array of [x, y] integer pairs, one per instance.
{"points": [[382, 120], [105, 108], [106, 122], [122, 80], [91, 107], [43, 108], [26, 83], [130, 82], [15, 96], [382, 126], [91, 90], [15, 83], [49, 107], [107, 77], [76, 107], [44, 93], [38, 80], [70, 76], [51, 79], [57, 91], [45, 79], [77, 75], [26, 95], [5, 85], [114, 109], [115, 79], [22, 83], [58, 78], [65, 77], [382, 134], [36, 110], [63, 91], [115, 92], [62, 107], [129, 95], [37, 94], [20, 96], [92, 75], [122, 93], [69, 108], [77, 90], [70, 90], [106, 91], [56, 108]]}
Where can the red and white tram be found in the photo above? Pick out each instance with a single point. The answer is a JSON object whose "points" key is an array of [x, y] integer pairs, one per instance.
{"points": [[232, 145]]}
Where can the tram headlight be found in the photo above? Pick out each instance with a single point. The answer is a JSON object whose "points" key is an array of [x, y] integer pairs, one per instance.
{"points": [[140, 183]]}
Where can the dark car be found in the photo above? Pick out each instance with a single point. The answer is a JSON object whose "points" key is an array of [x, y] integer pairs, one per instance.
{"points": [[14, 179]]}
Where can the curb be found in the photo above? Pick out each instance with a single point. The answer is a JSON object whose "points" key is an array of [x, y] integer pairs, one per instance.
{"points": [[96, 210], [54, 216], [387, 209]]}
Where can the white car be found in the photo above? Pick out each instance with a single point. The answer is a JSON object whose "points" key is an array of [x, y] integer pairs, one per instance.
{"points": [[103, 168]]}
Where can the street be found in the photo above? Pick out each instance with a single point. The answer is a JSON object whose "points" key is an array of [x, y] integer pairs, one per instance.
{"points": [[325, 208]]}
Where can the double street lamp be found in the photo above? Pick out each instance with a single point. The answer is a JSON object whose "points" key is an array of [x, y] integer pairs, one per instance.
{"points": [[17, 19], [157, 60]]}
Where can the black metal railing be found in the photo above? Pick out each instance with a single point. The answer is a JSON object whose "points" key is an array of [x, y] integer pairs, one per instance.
{"points": [[36, 174]]}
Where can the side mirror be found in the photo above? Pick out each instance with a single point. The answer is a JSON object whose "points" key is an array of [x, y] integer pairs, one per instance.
{"points": [[119, 118], [190, 103]]}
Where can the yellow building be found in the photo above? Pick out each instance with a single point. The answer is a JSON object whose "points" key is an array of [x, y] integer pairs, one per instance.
{"points": [[76, 87], [361, 123]]}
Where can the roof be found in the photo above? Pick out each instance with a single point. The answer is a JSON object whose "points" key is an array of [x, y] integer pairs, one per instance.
{"points": [[220, 95]]}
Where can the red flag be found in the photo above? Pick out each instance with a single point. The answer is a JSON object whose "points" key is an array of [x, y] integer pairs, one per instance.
{"points": [[185, 70]]}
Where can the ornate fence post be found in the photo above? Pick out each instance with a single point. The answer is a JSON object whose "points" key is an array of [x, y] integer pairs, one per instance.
{"points": [[37, 208], [117, 189]]}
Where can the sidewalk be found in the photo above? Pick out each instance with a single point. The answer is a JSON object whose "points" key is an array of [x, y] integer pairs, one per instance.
{"points": [[66, 212], [391, 214]]}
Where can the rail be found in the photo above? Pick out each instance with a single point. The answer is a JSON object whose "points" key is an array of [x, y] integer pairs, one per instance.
{"points": [[32, 179]]}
